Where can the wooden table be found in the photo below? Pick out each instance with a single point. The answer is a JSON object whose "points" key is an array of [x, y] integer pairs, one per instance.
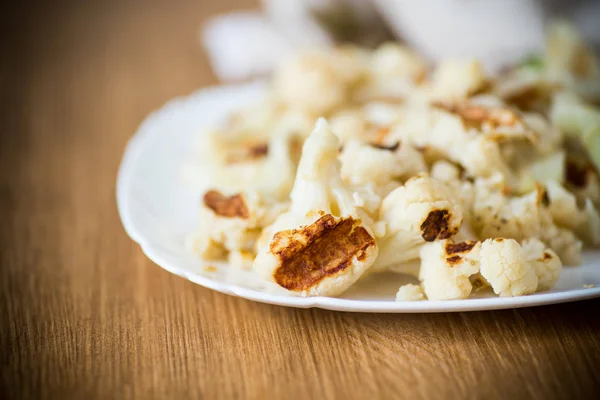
{"points": [[85, 315]]}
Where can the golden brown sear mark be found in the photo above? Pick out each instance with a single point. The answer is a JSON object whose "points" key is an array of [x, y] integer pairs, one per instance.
{"points": [[475, 116], [226, 206], [454, 259], [453, 248], [312, 253], [436, 226]]}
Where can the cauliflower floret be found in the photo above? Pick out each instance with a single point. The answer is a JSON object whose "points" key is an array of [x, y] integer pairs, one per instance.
{"points": [[364, 163], [496, 215], [492, 118], [447, 267], [324, 243], [457, 79], [266, 167], [504, 265], [230, 223], [422, 210], [563, 206], [565, 212], [392, 61], [545, 262], [348, 125], [316, 81], [562, 241], [392, 73], [410, 292], [445, 171], [448, 135], [449, 270]]}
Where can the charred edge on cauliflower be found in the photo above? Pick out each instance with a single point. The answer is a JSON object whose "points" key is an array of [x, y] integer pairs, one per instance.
{"points": [[258, 150], [453, 248], [454, 260], [436, 226], [392, 148], [322, 249], [474, 116], [226, 206], [542, 195]]}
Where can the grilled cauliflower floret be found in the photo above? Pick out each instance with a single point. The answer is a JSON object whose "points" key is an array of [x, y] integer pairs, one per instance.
{"points": [[234, 166], [496, 215], [364, 163], [447, 267], [423, 210], [504, 265], [410, 292], [323, 244], [448, 270], [231, 223], [448, 135], [545, 262]]}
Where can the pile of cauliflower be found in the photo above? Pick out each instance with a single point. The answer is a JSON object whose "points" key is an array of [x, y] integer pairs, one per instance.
{"points": [[359, 162]]}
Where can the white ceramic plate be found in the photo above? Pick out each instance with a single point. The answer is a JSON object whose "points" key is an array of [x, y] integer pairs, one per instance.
{"points": [[158, 211]]}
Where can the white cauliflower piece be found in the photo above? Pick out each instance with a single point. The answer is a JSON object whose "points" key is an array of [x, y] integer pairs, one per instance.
{"points": [[392, 73], [348, 125], [316, 81], [324, 243], [562, 241], [545, 262], [504, 265], [447, 267], [496, 215], [449, 270], [230, 223], [423, 210], [410, 292], [233, 166], [392, 61], [364, 163], [457, 79], [447, 134], [563, 206], [445, 171]]}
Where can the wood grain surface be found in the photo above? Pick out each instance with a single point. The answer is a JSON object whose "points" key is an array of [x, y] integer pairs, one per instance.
{"points": [[85, 315]]}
